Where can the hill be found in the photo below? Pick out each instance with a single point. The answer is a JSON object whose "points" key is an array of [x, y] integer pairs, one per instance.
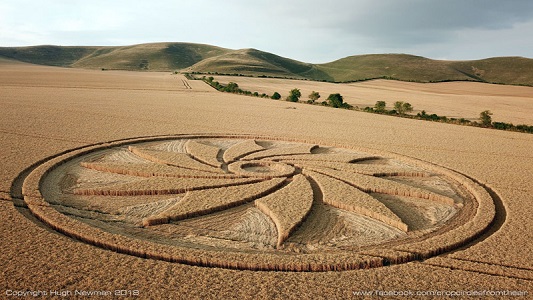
{"points": [[154, 57], [255, 62], [47, 55], [400, 66], [202, 58], [506, 70]]}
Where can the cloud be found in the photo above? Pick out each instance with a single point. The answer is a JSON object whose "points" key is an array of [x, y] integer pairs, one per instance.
{"points": [[317, 31], [308, 30], [393, 22]]}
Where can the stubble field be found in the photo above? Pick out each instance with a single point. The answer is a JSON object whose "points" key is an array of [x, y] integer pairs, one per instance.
{"points": [[511, 104], [47, 111]]}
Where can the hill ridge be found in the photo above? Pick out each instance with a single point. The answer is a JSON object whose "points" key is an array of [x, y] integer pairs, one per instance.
{"points": [[203, 58]]}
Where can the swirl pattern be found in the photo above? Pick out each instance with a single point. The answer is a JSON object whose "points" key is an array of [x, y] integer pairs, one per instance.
{"points": [[254, 194]]}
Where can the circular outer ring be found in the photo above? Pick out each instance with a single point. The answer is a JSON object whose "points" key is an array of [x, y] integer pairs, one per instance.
{"points": [[457, 236]]}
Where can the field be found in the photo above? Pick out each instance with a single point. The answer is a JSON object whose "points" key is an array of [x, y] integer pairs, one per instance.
{"points": [[511, 104], [47, 111]]}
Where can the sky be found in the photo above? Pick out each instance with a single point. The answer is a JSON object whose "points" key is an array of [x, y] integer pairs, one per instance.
{"points": [[306, 30]]}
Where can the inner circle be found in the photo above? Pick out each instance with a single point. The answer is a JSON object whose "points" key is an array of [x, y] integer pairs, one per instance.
{"points": [[256, 168], [261, 168]]}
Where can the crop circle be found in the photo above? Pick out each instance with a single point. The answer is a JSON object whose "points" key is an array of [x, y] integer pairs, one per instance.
{"points": [[257, 203]]}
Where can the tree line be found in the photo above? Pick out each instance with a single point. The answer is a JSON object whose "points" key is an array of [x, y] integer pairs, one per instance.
{"points": [[400, 108]]}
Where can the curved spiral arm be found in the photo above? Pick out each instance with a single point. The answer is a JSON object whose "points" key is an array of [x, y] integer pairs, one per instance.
{"points": [[280, 180]]}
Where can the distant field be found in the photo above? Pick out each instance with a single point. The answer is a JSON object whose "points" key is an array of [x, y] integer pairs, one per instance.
{"points": [[48, 111], [511, 104]]}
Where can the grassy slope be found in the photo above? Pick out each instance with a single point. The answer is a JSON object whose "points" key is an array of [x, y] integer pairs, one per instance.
{"points": [[400, 66], [47, 55], [155, 57], [206, 58], [255, 62], [509, 70]]}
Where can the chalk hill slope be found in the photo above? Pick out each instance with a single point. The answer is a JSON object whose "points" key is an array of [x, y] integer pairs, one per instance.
{"points": [[189, 57]]}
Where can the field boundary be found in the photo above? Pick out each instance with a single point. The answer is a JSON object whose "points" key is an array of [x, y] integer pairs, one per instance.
{"points": [[481, 267]]}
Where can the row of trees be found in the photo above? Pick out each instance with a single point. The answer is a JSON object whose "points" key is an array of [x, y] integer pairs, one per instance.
{"points": [[484, 120], [334, 100], [400, 108], [233, 87]]}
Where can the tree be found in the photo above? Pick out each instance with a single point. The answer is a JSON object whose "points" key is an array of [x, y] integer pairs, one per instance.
{"points": [[398, 106], [294, 95], [216, 85], [407, 107], [276, 96], [335, 100], [232, 87], [402, 107], [423, 114], [485, 118], [380, 106], [314, 96]]}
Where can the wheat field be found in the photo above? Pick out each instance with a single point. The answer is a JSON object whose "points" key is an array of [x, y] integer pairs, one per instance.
{"points": [[511, 104], [48, 111]]}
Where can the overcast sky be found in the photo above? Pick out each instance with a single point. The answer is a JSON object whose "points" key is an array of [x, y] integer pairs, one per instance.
{"points": [[307, 30]]}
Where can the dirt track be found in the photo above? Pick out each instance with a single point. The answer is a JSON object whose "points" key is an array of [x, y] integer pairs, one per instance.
{"points": [[48, 110]]}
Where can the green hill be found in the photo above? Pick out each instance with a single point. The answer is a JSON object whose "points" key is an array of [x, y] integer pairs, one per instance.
{"points": [[399, 66], [506, 70], [255, 62], [189, 57], [154, 57], [47, 55]]}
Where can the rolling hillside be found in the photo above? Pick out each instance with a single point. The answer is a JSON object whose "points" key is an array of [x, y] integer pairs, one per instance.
{"points": [[400, 66], [255, 62], [153, 57], [202, 58]]}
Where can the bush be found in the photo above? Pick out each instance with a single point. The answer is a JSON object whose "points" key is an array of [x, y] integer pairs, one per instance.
{"points": [[276, 96], [503, 126], [313, 96], [380, 106], [294, 95], [402, 107], [216, 85], [485, 118], [232, 87], [335, 100], [525, 128]]}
